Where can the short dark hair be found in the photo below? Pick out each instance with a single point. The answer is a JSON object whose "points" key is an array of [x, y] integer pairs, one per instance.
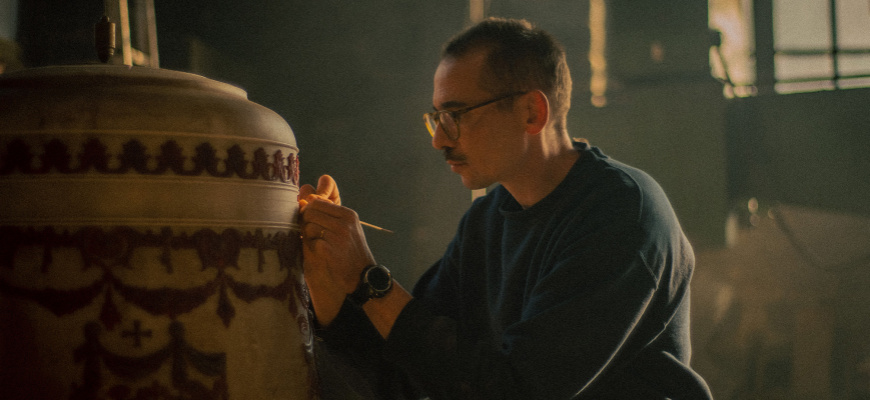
{"points": [[521, 57]]}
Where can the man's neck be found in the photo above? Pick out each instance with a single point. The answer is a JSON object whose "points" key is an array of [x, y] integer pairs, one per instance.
{"points": [[545, 169]]}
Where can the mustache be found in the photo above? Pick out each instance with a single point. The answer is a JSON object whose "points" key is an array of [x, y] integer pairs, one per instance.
{"points": [[451, 155]]}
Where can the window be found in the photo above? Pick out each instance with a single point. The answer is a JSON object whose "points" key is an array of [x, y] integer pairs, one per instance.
{"points": [[797, 45]]}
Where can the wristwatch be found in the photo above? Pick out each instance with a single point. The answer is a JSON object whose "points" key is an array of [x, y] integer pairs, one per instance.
{"points": [[375, 282]]}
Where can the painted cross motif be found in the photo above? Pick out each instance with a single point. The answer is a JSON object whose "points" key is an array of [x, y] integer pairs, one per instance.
{"points": [[182, 356], [137, 333]]}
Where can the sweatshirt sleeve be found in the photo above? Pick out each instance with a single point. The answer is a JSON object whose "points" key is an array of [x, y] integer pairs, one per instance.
{"points": [[350, 363]]}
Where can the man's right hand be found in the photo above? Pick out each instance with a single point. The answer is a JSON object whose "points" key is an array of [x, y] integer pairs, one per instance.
{"points": [[334, 249], [327, 189]]}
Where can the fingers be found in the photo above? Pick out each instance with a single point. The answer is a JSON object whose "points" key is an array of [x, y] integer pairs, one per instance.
{"points": [[325, 215], [313, 231], [305, 191], [319, 216], [311, 198], [327, 188]]}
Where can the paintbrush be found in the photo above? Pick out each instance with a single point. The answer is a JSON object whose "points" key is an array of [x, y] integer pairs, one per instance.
{"points": [[375, 227], [303, 203]]}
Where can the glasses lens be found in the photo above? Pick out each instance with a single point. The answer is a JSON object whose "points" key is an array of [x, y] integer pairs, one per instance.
{"points": [[430, 124], [448, 125]]}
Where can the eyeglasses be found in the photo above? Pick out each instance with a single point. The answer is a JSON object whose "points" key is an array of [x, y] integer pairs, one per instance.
{"points": [[449, 120]]}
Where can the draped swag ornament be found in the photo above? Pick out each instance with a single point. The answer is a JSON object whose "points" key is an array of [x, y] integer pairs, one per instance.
{"points": [[108, 250]]}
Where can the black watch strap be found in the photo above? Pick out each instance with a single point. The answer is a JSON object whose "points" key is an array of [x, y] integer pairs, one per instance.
{"points": [[375, 282]]}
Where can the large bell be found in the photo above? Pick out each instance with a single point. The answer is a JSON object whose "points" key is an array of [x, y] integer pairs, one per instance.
{"points": [[147, 240]]}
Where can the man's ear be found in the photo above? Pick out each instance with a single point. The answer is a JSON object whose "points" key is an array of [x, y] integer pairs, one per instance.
{"points": [[538, 111]]}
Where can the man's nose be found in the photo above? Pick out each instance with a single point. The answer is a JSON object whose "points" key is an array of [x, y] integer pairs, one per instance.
{"points": [[440, 140]]}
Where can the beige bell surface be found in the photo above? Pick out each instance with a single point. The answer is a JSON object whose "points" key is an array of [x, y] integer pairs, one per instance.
{"points": [[148, 239]]}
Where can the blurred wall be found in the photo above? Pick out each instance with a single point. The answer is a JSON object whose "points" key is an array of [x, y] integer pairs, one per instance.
{"points": [[805, 148], [8, 20]]}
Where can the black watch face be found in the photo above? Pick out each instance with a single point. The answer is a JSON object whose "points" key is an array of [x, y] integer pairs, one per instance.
{"points": [[379, 278]]}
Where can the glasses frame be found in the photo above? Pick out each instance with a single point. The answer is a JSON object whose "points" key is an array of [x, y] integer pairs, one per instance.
{"points": [[433, 119]]}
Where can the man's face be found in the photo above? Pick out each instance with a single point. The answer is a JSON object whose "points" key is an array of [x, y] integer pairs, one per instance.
{"points": [[491, 140]]}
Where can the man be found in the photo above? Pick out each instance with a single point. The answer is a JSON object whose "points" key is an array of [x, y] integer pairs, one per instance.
{"points": [[568, 280]]}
